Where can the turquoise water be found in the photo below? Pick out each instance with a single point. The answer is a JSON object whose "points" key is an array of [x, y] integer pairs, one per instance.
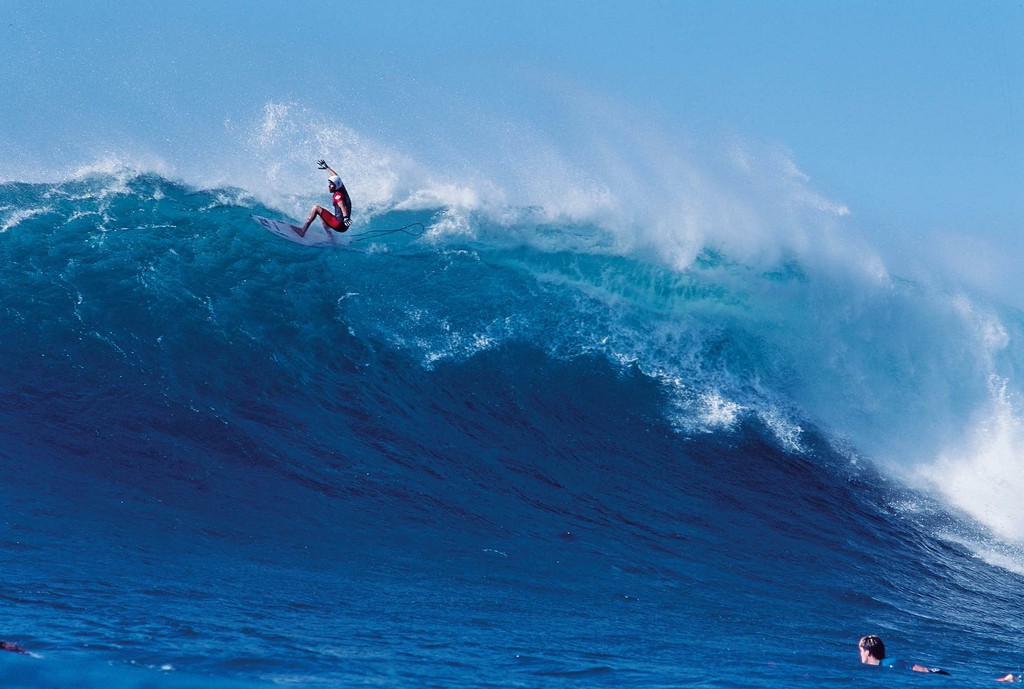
{"points": [[495, 455]]}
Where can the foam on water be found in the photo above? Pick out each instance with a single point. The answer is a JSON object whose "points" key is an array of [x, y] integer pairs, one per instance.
{"points": [[625, 404]]}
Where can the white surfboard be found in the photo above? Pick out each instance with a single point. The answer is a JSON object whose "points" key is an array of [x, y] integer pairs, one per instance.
{"points": [[315, 236]]}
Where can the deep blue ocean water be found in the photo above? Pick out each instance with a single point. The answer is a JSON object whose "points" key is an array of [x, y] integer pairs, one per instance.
{"points": [[514, 455]]}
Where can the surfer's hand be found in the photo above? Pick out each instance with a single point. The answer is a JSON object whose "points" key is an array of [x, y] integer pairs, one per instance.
{"points": [[322, 164]]}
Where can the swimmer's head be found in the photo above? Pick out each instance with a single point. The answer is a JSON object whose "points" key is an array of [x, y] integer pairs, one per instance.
{"points": [[335, 180], [873, 645]]}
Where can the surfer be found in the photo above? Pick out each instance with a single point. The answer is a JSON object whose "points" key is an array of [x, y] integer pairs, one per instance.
{"points": [[872, 652], [13, 648], [341, 218]]}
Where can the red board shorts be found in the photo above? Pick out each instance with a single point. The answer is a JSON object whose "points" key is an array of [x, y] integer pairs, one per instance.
{"points": [[333, 222]]}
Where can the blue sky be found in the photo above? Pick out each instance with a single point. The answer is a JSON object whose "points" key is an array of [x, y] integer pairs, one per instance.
{"points": [[910, 113]]}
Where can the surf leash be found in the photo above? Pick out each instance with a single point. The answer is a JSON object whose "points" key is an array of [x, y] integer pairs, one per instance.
{"points": [[374, 234]]}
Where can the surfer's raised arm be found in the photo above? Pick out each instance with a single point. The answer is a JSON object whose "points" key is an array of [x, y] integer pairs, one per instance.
{"points": [[322, 164]]}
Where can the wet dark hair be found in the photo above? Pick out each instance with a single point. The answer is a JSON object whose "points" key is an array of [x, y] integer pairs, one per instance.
{"points": [[873, 645]]}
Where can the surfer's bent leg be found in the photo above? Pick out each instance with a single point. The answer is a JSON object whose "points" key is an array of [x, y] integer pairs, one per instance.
{"points": [[312, 214]]}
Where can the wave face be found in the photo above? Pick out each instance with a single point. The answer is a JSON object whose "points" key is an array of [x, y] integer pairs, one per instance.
{"points": [[528, 451]]}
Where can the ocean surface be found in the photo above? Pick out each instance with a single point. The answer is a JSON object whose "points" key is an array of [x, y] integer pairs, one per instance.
{"points": [[496, 449]]}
